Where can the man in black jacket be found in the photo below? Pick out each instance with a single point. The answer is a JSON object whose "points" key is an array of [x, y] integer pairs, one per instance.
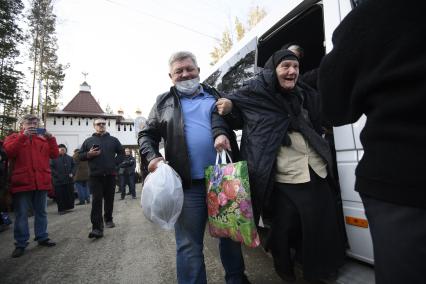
{"points": [[377, 67], [184, 118], [104, 152], [126, 171]]}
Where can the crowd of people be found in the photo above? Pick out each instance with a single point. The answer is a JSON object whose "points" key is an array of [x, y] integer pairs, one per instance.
{"points": [[34, 166], [291, 168]]}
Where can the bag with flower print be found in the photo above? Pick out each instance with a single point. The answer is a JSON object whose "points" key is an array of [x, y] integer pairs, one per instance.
{"points": [[229, 205]]}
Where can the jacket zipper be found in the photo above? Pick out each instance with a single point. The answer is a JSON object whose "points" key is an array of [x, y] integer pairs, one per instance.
{"points": [[183, 134]]}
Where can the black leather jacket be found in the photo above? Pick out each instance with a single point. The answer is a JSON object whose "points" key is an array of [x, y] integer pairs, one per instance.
{"points": [[166, 121]]}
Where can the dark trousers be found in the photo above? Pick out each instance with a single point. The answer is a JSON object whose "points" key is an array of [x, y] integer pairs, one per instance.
{"points": [[399, 241], [64, 196], [102, 189], [130, 181]]}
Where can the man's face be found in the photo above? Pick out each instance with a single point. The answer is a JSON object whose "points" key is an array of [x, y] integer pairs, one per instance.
{"points": [[287, 74], [100, 126], [62, 151], [27, 124], [183, 70], [128, 152]]}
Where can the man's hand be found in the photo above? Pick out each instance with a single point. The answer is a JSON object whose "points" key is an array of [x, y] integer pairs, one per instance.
{"points": [[30, 131], [93, 152], [153, 164], [224, 106], [48, 135], [222, 143]]}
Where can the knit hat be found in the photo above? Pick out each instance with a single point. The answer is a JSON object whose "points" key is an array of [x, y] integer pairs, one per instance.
{"points": [[62, 146], [278, 56]]}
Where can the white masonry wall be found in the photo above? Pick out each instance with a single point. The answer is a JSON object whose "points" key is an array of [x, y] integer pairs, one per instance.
{"points": [[72, 131]]}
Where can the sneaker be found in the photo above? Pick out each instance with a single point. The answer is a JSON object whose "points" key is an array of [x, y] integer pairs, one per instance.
{"points": [[80, 203], [133, 197], [109, 224], [96, 234], [47, 243], [18, 252]]}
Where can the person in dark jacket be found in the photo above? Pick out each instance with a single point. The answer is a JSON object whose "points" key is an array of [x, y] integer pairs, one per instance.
{"points": [[81, 178], [63, 170], [4, 193], [377, 68], [127, 174], [30, 180], [288, 164], [103, 152], [184, 118]]}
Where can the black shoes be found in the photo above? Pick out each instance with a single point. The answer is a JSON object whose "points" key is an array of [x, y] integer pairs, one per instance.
{"points": [[79, 204], [96, 234], [109, 224], [18, 252], [46, 243]]}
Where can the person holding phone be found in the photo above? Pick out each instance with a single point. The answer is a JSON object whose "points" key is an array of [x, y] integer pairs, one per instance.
{"points": [[103, 153], [29, 153]]}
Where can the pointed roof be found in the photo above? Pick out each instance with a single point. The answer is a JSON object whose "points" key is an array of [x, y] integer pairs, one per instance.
{"points": [[83, 102]]}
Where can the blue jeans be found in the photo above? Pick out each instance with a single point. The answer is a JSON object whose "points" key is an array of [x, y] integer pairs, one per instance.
{"points": [[130, 181], [83, 191], [189, 234], [22, 202]]}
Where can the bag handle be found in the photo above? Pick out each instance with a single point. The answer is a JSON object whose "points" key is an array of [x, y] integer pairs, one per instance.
{"points": [[223, 155]]}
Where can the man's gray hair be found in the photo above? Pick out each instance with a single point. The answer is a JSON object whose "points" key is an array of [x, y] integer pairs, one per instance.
{"points": [[98, 118], [28, 117], [181, 55]]}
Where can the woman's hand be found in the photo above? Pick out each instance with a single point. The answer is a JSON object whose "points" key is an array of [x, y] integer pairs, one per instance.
{"points": [[224, 106]]}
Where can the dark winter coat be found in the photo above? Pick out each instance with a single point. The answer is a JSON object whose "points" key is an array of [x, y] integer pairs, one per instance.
{"points": [[128, 166], [166, 121], [265, 116], [29, 161], [81, 168], [377, 67], [61, 168], [111, 156]]}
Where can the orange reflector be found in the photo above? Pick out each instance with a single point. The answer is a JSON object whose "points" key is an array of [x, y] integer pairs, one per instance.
{"points": [[356, 222]]}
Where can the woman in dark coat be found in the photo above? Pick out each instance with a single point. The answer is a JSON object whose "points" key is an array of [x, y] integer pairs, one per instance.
{"points": [[63, 170], [289, 165]]}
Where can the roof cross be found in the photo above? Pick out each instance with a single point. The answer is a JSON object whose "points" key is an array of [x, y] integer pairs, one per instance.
{"points": [[85, 75]]}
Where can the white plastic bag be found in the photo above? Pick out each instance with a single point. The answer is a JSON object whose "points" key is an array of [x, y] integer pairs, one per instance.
{"points": [[162, 196]]}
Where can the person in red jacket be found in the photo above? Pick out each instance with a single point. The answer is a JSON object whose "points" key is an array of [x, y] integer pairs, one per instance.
{"points": [[29, 152]]}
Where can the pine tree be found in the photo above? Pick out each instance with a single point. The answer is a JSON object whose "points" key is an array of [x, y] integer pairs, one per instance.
{"points": [[11, 92], [43, 52]]}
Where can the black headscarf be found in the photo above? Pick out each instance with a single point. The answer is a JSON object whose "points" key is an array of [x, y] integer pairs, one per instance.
{"points": [[278, 56]]}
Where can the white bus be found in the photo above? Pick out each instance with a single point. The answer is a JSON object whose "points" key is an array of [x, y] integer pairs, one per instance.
{"points": [[310, 23]]}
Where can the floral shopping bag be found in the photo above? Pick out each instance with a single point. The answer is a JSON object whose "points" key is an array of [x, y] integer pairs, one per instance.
{"points": [[229, 203]]}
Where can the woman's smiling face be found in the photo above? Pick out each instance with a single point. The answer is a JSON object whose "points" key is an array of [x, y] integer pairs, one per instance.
{"points": [[287, 74]]}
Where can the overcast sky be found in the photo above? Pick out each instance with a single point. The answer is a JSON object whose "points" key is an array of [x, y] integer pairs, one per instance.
{"points": [[124, 45]]}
